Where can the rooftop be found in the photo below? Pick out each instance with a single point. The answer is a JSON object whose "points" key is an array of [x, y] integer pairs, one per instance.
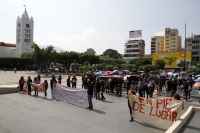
{"points": [[7, 44]]}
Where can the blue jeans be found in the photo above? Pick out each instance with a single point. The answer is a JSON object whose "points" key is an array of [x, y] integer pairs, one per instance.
{"points": [[186, 94], [90, 101], [173, 92], [74, 85], [85, 86], [140, 92]]}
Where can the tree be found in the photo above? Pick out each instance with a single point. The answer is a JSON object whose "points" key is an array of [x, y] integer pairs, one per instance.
{"points": [[160, 64], [170, 60], [111, 53], [194, 62], [67, 58], [90, 57], [43, 57], [140, 62], [182, 63]]}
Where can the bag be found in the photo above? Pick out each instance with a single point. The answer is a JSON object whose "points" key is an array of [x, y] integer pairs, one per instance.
{"points": [[190, 88]]}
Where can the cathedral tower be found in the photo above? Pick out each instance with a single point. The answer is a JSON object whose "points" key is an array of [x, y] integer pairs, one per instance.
{"points": [[24, 34]]}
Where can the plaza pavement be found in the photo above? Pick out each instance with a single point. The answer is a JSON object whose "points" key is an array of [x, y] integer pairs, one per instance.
{"points": [[21, 113]]}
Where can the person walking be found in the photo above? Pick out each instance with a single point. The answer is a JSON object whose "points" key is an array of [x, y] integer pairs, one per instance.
{"points": [[174, 86], [46, 86], [131, 92], [68, 82], [59, 79], [21, 84], [90, 94], [29, 81], [185, 87]]}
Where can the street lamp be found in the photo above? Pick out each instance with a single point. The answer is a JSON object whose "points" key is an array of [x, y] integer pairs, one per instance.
{"points": [[10, 57]]}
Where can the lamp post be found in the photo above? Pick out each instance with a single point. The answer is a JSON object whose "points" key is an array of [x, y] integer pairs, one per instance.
{"points": [[10, 57]]}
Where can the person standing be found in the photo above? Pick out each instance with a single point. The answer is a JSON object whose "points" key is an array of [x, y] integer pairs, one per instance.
{"points": [[36, 81], [120, 87], [102, 90], [174, 85], [150, 88], [52, 82], [131, 92], [59, 79], [185, 88], [145, 88], [46, 86], [21, 83], [90, 94], [74, 80], [39, 77], [140, 87], [68, 82], [98, 86], [29, 81]]}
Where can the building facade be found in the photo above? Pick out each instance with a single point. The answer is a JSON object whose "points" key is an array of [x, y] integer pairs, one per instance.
{"points": [[134, 49], [24, 34], [196, 47], [178, 54], [157, 44], [188, 44], [172, 40], [24, 38]]}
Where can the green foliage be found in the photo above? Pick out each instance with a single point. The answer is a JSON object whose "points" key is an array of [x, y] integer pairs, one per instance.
{"points": [[19, 63], [111, 53], [43, 57], [148, 68], [160, 64], [90, 57], [140, 62], [109, 68], [181, 64], [87, 63]]}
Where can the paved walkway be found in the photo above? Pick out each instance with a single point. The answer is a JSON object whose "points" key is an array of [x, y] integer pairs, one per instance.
{"points": [[23, 113]]}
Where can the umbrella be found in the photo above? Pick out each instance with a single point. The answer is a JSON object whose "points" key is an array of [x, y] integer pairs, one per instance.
{"points": [[197, 80], [152, 78], [170, 73], [165, 74], [118, 76], [102, 76], [197, 84], [108, 72], [99, 73], [125, 77]]}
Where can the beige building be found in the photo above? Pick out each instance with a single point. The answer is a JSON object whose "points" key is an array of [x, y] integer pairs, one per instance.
{"points": [[188, 44], [172, 40], [157, 44]]}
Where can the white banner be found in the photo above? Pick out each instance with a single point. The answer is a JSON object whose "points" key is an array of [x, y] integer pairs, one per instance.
{"points": [[74, 96], [161, 112], [135, 33]]}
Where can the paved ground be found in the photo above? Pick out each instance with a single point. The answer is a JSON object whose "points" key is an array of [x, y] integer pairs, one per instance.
{"points": [[22, 113]]}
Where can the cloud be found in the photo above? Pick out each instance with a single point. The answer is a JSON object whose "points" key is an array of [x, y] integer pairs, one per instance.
{"points": [[75, 42], [160, 33], [2, 8], [87, 34]]}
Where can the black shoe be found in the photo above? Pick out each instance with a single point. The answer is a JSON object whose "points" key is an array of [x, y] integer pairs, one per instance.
{"points": [[131, 119]]}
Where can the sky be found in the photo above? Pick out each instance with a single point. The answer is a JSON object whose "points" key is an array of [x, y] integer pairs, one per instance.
{"points": [[76, 25]]}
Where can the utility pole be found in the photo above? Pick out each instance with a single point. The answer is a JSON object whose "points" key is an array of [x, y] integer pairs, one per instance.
{"points": [[185, 51]]}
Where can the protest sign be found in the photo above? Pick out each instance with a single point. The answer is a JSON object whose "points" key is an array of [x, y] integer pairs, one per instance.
{"points": [[161, 112], [71, 95]]}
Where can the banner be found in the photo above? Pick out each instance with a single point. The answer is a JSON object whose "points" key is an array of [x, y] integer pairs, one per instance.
{"points": [[135, 33], [161, 112], [71, 95]]}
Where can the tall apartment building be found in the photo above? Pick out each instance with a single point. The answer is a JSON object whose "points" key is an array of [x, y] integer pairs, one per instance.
{"points": [[188, 44], [157, 44], [196, 47], [134, 49], [172, 40]]}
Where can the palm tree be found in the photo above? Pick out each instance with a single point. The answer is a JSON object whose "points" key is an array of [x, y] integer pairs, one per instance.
{"points": [[170, 60]]}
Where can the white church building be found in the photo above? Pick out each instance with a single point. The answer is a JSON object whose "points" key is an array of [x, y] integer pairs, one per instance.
{"points": [[24, 38]]}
